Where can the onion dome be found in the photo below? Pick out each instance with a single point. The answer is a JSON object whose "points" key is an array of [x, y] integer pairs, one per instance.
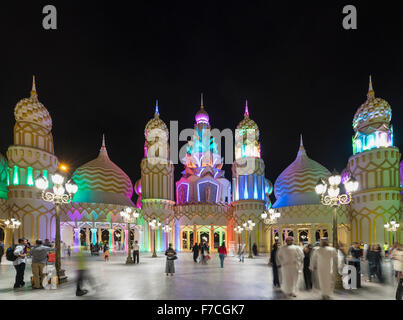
{"points": [[373, 112], [247, 123], [137, 189], [3, 177], [202, 115], [31, 110], [156, 123], [296, 184], [102, 181]]}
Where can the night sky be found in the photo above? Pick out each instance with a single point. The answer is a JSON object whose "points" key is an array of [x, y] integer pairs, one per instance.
{"points": [[103, 68]]}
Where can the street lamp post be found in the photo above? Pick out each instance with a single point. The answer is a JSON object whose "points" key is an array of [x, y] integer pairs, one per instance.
{"points": [[154, 224], [12, 224], [392, 227], [58, 197], [167, 229], [128, 216], [329, 192], [249, 227], [270, 218], [239, 230]]}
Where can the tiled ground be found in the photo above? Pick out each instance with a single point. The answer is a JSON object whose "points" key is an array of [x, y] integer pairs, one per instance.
{"points": [[115, 280]]}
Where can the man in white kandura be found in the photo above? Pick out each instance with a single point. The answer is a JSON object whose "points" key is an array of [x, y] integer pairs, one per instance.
{"points": [[324, 263], [290, 258]]}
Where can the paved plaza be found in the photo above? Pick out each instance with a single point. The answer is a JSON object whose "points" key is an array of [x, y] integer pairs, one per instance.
{"points": [[115, 280]]}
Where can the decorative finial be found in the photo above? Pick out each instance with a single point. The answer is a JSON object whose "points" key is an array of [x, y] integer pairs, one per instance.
{"points": [[103, 151], [33, 90], [103, 141], [246, 114], [201, 101], [301, 143], [157, 112], [301, 150], [371, 92]]}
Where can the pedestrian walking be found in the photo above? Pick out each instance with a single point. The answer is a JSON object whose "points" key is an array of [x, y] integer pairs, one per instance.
{"points": [[195, 251], [242, 253], [254, 249], [69, 251], [171, 257], [39, 255], [1, 250], [273, 264], [290, 258], [106, 252], [20, 262], [355, 254], [324, 261], [394, 247], [222, 251], [82, 273], [397, 257], [136, 252], [374, 259], [204, 253], [307, 271]]}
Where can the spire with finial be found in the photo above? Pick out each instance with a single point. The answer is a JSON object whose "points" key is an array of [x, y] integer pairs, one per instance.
{"points": [[103, 147], [157, 112], [371, 92], [33, 90], [201, 101], [246, 113], [301, 145]]}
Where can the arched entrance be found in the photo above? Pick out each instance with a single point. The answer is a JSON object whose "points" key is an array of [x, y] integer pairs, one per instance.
{"points": [[82, 237], [2, 234], [105, 236]]}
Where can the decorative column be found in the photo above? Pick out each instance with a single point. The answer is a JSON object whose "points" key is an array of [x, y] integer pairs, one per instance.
{"points": [[94, 235], [211, 240], [87, 237], [122, 239], [111, 240], [127, 240], [194, 234], [99, 235], [77, 243], [220, 233]]}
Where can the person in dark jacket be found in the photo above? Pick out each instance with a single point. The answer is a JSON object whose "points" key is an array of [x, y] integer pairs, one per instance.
{"points": [[195, 250], [254, 249], [273, 263], [307, 271], [1, 250], [355, 254], [374, 258]]}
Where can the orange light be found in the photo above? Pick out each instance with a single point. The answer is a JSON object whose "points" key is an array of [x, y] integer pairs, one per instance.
{"points": [[63, 167]]}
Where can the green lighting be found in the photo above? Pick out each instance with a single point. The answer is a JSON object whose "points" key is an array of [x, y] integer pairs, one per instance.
{"points": [[16, 181], [45, 174], [30, 177]]}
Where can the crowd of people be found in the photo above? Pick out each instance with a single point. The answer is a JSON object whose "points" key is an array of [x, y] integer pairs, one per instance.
{"points": [[320, 264]]}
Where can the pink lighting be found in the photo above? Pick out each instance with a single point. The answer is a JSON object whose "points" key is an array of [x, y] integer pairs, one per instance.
{"points": [[246, 109]]}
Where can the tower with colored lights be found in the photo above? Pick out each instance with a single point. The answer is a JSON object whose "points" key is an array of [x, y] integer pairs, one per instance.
{"points": [[156, 187], [251, 190], [31, 155], [375, 163]]}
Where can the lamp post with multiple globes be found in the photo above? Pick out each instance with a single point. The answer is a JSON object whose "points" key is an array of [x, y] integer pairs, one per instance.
{"points": [[12, 224], [329, 192], [167, 229], [248, 226], [58, 197], [239, 230], [270, 218], [155, 225], [392, 227], [129, 216]]}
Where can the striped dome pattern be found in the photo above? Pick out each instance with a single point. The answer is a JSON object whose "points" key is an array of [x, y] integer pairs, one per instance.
{"points": [[103, 178], [31, 110], [296, 184]]}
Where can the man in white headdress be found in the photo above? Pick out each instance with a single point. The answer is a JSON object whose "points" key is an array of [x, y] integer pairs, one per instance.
{"points": [[290, 258], [324, 263]]}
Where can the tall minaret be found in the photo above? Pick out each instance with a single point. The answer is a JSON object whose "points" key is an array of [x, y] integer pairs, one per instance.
{"points": [[375, 163], [157, 179], [251, 189], [31, 155]]}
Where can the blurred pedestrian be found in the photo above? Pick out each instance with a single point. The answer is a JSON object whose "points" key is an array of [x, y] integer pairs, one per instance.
{"points": [[106, 252], [254, 249], [374, 259], [290, 258], [69, 251], [82, 273], [171, 257], [1, 250], [136, 252], [20, 262], [354, 259], [273, 264], [47, 243], [397, 257], [222, 251], [324, 261], [195, 251], [242, 253], [307, 271]]}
